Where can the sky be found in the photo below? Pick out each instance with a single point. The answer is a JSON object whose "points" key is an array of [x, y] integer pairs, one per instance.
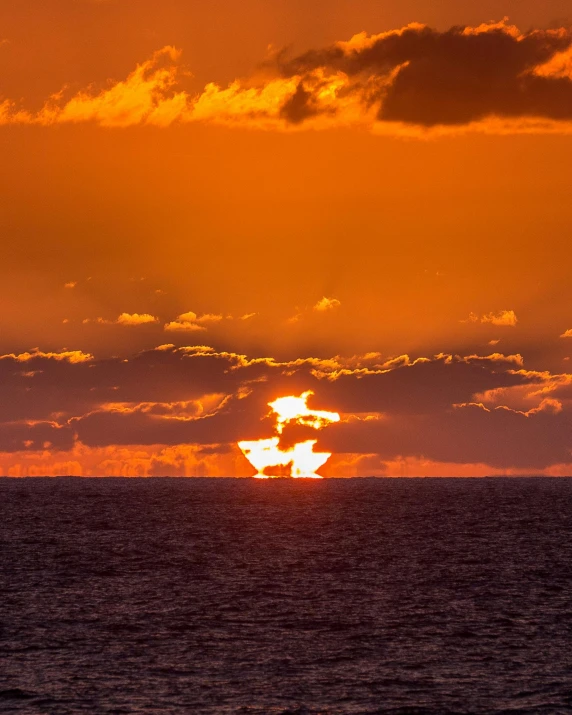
{"points": [[206, 207]]}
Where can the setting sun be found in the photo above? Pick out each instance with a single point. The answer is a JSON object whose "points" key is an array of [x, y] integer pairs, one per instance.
{"points": [[266, 456]]}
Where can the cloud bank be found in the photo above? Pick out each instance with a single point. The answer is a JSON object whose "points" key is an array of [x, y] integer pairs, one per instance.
{"points": [[414, 80], [64, 408]]}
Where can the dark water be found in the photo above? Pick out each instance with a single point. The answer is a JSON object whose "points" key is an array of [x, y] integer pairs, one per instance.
{"points": [[242, 596]]}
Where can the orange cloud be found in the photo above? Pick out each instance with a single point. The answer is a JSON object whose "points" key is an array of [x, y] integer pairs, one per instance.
{"points": [[126, 461], [559, 66], [71, 356], [189, 322], [185, 322], [502, 318], [206, 318], [144, 97], [567, 334], [184, 410], [326, 304], [130, 319], [136, 319], [413, 81]]}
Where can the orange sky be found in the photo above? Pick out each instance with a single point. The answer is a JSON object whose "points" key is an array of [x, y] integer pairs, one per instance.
{"points": [[308, 208]]}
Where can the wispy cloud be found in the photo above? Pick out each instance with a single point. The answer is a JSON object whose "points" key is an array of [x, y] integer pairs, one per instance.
{"points": [[129, 319], [326, 304]]}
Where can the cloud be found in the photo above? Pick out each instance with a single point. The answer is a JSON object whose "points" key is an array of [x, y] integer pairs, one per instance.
{"points": [[443, 409], [420, 387], [567, 334], [130, 319], [185, 322], [183, 326], [413, 81], [126, 461], [502, 318], [71, 284], [189, 322], [72, 356], [207, 318], [146, 96], [326, 304], [27, 435], [418, 75], [136, 319]]}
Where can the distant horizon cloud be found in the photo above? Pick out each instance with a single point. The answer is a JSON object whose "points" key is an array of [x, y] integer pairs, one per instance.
{"points": [[444, 408]]}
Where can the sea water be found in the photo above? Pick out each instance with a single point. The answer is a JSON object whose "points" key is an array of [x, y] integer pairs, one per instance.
{"points": [[286, 596]]}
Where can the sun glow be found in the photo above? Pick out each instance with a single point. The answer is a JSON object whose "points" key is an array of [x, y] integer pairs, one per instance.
{"points": [[266, 456]]}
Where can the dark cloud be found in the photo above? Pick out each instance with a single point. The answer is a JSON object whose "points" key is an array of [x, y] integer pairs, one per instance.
{"points": [[400, 408], [41, 386], [425, 77], [299, 107], [237, 420], [21, 436], [500, 438], [421, 388]]}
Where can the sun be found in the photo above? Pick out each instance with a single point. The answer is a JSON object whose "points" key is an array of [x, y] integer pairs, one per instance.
{"points": [[300, 460]]}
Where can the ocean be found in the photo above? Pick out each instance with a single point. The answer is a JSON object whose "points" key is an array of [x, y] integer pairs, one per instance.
{"points": [[286, 596]]}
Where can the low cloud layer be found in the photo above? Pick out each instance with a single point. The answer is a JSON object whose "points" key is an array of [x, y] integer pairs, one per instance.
{"points": [[414, 80], [457, 410]]}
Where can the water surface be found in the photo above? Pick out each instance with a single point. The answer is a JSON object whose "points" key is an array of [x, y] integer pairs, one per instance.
{"points": [[280, 596]]}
